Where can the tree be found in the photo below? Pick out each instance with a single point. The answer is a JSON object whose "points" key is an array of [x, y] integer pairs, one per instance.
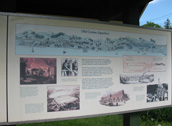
{"points": [[167, 24], [151, 24]]}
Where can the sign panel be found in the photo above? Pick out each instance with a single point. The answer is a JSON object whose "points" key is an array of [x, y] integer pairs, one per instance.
{"points": [[3, 36], [61, 69]]}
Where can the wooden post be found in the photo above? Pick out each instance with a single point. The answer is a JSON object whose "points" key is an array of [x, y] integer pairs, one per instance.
{"points": [[131, 16], [131, 119]]}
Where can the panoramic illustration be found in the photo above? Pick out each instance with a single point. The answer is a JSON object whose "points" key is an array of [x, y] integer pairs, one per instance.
{"points": [[37, 71], [114, 98], [82, 43], [63, 98], [157, 92], [69, 67], [136, 79]]}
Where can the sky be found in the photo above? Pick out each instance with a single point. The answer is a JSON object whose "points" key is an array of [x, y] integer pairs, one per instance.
{"points": [[157, 11]]}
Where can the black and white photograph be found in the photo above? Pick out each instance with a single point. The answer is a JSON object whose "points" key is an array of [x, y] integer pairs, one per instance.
{"points": [[136, 79], [37, 70], [63, 98], [114, 98], [157, 92], [69, 67]]}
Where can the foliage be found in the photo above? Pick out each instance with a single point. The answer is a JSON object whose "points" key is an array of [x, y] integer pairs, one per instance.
{"points": [[167, 24], [159, 115], [155, 123], [152, 25]]}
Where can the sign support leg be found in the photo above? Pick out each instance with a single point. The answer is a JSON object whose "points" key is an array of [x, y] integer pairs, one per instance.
{"points": [[131, 119]]}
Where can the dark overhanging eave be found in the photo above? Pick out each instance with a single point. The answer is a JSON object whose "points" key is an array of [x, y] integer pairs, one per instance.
{"points": [[104, 10]]}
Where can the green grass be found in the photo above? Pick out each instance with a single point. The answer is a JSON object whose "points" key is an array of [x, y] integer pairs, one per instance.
{"points": [[113, 120]]}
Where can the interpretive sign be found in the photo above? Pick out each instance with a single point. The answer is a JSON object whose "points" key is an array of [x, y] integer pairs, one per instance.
{"points": [[3, 36], [61, 69]]}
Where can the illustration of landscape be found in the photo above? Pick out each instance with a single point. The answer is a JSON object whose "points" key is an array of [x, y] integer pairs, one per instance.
{"points": [[32, 42]]}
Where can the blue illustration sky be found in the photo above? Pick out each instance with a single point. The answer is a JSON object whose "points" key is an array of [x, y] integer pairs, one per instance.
{"points": [[157, 11]]}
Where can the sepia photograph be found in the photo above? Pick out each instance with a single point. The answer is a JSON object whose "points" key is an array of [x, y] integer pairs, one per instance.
{"points": [[157, 92], [114, 98], [69, 67], [37, 71], [63, 98]]}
